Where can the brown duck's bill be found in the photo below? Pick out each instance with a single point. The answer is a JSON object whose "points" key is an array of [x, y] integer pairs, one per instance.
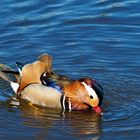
{"points": [[98, 110]]}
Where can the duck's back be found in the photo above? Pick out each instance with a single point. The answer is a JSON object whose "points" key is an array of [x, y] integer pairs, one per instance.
{"points": [[55, 80]]}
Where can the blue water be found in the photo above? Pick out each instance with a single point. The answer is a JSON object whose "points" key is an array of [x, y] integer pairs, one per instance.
{"points": [[100, 39]]}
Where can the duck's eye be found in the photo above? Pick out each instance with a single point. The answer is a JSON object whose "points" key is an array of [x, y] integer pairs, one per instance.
{"points": [[91, 97]]}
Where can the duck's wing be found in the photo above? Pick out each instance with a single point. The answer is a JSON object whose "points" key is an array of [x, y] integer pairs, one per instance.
{"points": [[9, 74], [31, 73]]}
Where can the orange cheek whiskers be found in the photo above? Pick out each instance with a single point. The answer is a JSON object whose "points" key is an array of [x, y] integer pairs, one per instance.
{"points": [[77, 95], [79, 106]]}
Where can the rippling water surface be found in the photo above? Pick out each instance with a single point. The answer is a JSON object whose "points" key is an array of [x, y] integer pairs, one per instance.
{"points": [[100, 39]]}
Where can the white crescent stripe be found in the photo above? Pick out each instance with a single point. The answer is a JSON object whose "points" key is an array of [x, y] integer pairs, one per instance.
{"points": [[64, 97]]}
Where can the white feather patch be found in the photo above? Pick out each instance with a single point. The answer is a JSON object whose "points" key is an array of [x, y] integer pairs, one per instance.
{"points": [[90, 90], [20, 72], [14, 86]]}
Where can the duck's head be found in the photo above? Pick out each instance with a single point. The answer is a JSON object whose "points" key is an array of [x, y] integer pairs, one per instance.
{"points": [[85, 94]]}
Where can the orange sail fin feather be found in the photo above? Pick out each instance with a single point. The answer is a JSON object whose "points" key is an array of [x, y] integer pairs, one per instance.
{"points": [[47, 59], [31, 74]]}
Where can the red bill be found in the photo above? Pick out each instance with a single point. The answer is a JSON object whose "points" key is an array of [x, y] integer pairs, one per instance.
{"points": [[98, 110]]}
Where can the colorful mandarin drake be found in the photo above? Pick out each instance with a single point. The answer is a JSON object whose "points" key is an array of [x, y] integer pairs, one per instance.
{"points": [[39, 84]]}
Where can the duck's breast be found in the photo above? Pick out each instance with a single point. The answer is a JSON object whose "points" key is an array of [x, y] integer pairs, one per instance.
{"points": [[42, 95]]}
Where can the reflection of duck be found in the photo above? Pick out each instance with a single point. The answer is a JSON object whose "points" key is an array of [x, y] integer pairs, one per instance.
{"points": [[37, 83], [72, 124], [75, 123]]}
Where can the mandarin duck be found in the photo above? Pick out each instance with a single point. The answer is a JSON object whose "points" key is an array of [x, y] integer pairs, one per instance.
{"points": [[40, 85]]}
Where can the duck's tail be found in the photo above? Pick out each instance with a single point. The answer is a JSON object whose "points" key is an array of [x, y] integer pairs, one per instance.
{"points": [[10, 76]]}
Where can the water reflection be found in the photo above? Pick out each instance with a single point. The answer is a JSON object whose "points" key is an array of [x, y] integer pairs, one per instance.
{"points": [[84, 123], [75, 122]]}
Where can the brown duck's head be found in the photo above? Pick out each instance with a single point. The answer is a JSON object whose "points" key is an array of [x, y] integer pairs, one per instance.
{"points": [[84, 94]]}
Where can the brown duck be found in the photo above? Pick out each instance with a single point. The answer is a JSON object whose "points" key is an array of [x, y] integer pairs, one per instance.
{"points": [[40, 85]]}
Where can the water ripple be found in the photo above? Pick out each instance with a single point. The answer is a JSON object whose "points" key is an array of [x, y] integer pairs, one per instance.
{"points": [[99, 39]]}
